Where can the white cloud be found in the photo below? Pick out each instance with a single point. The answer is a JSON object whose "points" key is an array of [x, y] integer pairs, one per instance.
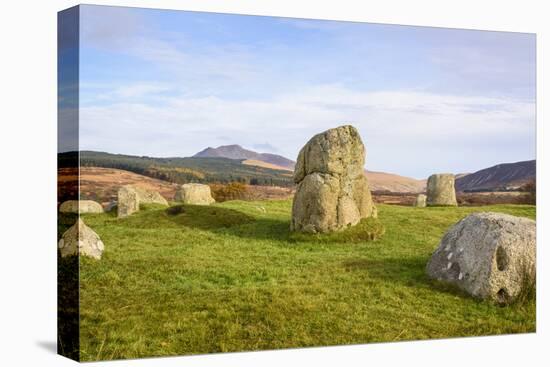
{"points": [[187, 88], [407, 132]]}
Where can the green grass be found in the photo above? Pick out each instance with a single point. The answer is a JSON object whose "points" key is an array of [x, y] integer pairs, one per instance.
{"points": [[230, 277], [368, 229]]}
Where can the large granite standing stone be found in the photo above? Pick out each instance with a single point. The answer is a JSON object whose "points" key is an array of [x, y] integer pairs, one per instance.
{"points": [[420, 201], [80, 206], [127, 202], [332, 192], [441, 190], [489, 255], [80, 239], [194, 193]]}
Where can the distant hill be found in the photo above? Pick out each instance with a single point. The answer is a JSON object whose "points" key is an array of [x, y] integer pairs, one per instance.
{"points": [[237, 152], [508, 176], [255, 162], [504, 176], [381, 181], [222, 170], [101, 184], [184, 170]]}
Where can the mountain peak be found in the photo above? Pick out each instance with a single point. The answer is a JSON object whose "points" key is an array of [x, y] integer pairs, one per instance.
{"points": [[235, 151], [499, 177]]}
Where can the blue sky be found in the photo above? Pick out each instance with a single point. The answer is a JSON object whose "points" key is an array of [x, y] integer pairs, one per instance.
{"points": [[425, 100]]}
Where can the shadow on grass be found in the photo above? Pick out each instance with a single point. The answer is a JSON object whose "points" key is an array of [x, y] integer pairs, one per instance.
{"points": [[64, 222], [263, 229], [190, 216], [207, 217], [68, 307], [68, 312], [407, 271], [236, 223]]}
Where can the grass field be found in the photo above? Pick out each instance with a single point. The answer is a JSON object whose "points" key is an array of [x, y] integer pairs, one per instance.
{"points": [[231, 278]]}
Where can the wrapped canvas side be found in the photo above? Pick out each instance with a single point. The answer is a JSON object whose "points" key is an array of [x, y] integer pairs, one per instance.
{"points": [[68, 314]]}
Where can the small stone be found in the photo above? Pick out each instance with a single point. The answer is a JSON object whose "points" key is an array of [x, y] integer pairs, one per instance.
{"points": [[131, 196], [80, 206], [194, 193], [128, 201], [147, 196], [80, 239], [420, 201]]}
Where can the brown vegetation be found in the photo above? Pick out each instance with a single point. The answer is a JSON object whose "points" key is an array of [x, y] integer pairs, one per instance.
{"points": [[101, 184], [232, 191], [394, 198], [492, 198], [382, 181], [530, 188]]}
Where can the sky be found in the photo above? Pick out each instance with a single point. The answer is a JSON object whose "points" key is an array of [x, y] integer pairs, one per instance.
{"points": [[425, 100]]}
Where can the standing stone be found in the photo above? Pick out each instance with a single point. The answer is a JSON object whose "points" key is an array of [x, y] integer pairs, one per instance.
{"points": [[130, 196], [441, 189], [81, 240], [80, 206], [149, 196], [128, 201], [420, 201], [194, 193], [333, 192], [489, 255]]}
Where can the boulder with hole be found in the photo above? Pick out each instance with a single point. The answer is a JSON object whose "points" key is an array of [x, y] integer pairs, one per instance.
{"points": [[488, 255]]}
